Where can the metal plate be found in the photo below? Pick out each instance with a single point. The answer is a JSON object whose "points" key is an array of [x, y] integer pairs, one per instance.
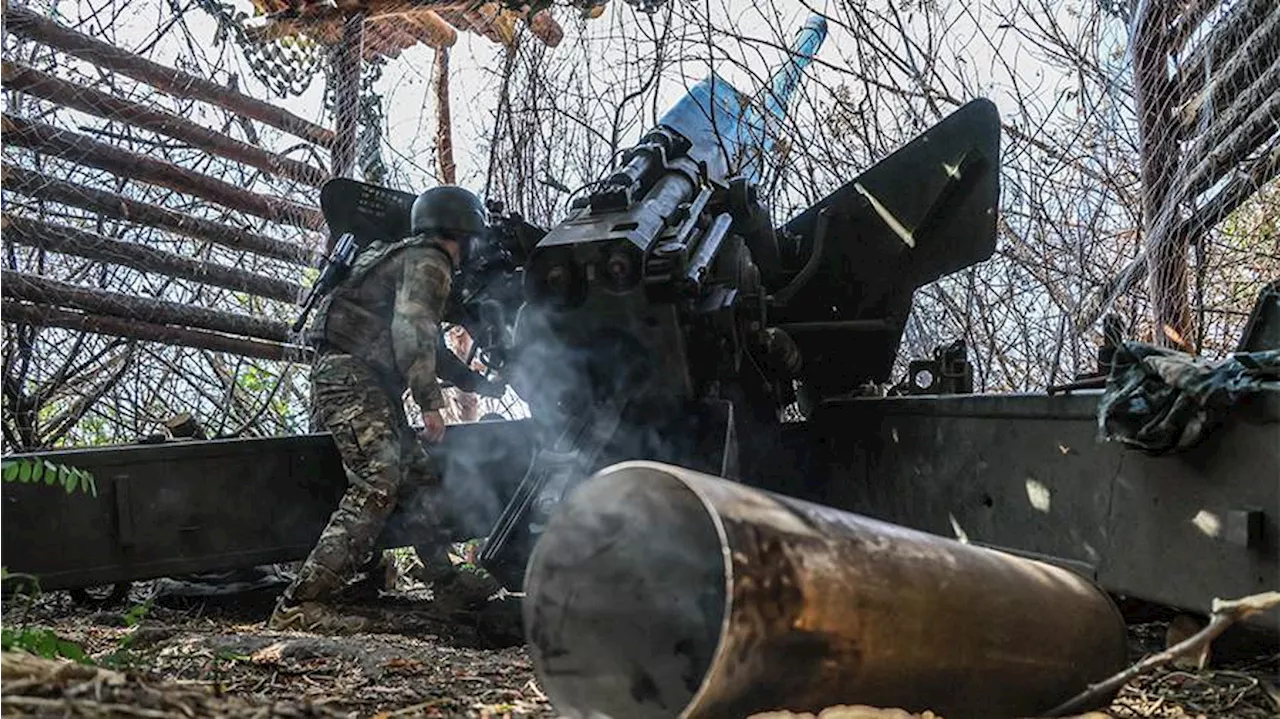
{"points": [[184, 507], [1263, 329], [1025, 473], [369, 212], [943, 188]]}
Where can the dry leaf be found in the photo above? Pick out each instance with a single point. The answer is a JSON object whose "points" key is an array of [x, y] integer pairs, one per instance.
{"points": [[1182, 628], [270, 654], [404, 666]]}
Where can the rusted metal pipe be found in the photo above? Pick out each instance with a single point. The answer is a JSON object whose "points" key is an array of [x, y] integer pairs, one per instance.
{"points": [[657, 591]]}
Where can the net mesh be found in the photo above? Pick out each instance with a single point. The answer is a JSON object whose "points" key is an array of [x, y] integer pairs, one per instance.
{"points": [[287, 66], [1139, 158]]}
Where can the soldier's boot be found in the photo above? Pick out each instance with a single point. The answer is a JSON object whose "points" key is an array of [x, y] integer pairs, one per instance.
{"points": [[454, 588], [314, 617], [309, 615]]}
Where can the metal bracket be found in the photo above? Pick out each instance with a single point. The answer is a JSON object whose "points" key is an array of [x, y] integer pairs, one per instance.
{"points": [[949, 372], [1243, 527]]}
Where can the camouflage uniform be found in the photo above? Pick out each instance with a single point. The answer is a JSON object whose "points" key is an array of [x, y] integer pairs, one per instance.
{"points": [[375, 336]]}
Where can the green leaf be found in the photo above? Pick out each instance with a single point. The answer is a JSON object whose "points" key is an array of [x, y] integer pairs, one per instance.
{"points": [[37, 470], [50, 473], [10, 471], [70, 650], [69, 477], [44, 643], [24, 472]]}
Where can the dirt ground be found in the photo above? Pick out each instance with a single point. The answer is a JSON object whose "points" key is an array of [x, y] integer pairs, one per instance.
{"points": [[217, 659]]}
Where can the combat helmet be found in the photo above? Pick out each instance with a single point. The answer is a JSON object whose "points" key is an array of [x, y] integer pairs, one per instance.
{"points": [[452, 211]]}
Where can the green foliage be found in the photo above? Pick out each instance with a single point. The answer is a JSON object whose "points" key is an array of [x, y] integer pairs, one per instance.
{"points": [[137, 613], [34, 640], [42, 643], [93, 431], [122, 659], [36, 470], [255, 380]]}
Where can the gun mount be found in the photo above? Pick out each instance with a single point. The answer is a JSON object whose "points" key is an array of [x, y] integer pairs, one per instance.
{"points": [[668, 318]]}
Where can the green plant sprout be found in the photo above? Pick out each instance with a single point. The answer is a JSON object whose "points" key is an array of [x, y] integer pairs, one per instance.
{"points": [[34, 470], [42, 643]]}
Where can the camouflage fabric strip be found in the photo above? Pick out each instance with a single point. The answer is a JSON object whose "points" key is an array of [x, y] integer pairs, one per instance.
{"points": [[1162, 400]]}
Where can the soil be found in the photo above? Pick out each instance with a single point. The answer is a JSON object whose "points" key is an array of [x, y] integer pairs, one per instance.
{"points": [[216, 658]]}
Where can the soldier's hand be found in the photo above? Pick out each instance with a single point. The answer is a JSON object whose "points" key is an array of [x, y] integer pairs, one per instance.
{"points": [[433, 426]]}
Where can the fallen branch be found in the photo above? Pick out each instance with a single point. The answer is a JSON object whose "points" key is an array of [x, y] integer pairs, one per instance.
{"points": [[83, 150], [91, 246], [137, 308], [46, 316], [1225, 613]]}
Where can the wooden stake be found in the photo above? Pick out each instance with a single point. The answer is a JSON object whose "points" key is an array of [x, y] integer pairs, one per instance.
{"points": [[49, 140], [458, 341], [41, 290], [1167, 270], [109, 204], [89, 100], [70, 241], [347, 66], [1238, 75], [444, 125], [1243, 184], [25, 23]]}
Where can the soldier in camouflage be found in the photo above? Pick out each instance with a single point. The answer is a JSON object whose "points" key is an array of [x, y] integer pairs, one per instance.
{"points": [[375, 336]]}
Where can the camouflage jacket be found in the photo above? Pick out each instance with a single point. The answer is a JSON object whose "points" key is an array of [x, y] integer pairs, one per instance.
{"points": [[387, 313]]}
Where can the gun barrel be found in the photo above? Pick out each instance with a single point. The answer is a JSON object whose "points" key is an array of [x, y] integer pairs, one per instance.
{"points": [[659, 591]]}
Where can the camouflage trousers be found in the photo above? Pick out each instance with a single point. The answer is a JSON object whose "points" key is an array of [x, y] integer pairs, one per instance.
{"points": [[380, 455]]}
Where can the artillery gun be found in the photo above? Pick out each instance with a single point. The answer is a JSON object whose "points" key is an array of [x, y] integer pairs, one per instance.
{"points": [[669, 318]]}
